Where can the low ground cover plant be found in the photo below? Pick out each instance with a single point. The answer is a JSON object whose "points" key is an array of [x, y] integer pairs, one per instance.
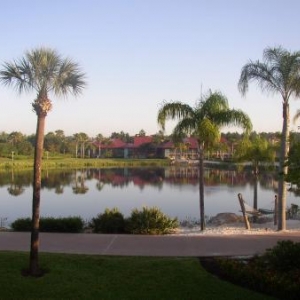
{"points": [[276, 272]]}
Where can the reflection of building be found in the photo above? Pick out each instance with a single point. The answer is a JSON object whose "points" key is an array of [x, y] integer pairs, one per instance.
{"points": [[148, 147], [175, 175]]}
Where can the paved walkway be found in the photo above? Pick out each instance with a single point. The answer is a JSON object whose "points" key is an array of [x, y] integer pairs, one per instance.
{"points": [[141, 245]]}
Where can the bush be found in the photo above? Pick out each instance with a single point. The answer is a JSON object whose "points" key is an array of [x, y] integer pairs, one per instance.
{"points": [[276, 272], [22, 224], [111, 221], [150, 221], [284, 257], [70, 224]]}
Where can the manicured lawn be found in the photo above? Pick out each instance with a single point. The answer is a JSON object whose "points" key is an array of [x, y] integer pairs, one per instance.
{"points": [[102, 277]]}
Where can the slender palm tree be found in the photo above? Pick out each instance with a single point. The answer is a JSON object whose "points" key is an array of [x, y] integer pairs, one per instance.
{"points": [[279, 72], [99, 138], [204, 123], [42, 71], [257, 150]]}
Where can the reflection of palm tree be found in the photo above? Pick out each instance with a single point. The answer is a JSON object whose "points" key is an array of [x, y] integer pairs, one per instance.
{"points": [[15, 189], [80, 188], [59, 189], [99, 184], [204, 123]]}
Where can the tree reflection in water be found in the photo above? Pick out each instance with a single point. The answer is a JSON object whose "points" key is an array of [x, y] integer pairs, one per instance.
{"points": [[173, 189]]}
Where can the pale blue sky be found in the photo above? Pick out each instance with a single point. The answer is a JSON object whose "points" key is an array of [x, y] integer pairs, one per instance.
{"points": [[138, 53]]}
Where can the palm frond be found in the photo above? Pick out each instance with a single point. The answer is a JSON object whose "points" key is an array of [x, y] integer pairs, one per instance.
{"points": [[213, 103], [279, 72], [262, 74], [235, 118], [43, 70], [185, 126], [13, 75], [173, 110], [69, 79], [297, 116]]}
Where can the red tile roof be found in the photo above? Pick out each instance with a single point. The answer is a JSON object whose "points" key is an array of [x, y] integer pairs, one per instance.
{"points": [[140, 140]]}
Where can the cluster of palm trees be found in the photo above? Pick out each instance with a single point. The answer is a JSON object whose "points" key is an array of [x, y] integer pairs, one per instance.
{"points": [[44, 71]]}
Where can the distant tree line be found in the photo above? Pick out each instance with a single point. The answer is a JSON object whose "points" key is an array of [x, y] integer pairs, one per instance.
{"points": [[81, 144], [78, 144]]}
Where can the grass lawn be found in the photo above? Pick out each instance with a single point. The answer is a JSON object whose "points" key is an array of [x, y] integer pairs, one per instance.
{"points": [[102, 277]]}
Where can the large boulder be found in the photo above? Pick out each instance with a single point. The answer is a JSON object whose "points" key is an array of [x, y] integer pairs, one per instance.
{"points": [[225, 218]]}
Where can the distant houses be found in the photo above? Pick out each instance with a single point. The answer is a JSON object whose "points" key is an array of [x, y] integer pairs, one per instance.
{"points": [[149, 147]]}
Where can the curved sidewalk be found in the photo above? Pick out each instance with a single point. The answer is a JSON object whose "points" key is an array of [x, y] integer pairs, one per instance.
{"points": [[142, 245]]}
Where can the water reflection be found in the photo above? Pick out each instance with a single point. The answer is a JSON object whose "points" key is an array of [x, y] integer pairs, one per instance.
{"points": [[86, 192], [15, 187]]}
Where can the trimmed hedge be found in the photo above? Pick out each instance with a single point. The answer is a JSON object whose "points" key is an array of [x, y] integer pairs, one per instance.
{"points": [[49, 224]]}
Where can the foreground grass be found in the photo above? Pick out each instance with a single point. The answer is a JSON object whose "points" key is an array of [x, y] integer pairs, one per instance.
{"points": [[102, 277], [62, 162]]}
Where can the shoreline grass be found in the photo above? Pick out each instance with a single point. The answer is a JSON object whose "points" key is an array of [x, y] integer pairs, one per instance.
{"points": [[72, 276], [62, 162]]}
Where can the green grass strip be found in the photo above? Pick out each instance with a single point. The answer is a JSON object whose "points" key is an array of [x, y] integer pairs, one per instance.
{"points": [[102, 277], [59, 162]]}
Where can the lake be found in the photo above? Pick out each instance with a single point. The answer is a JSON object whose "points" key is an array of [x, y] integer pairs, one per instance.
{"points": [[175, 190]]}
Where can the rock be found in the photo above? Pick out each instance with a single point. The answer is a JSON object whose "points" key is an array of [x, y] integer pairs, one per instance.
{"points": [[225, 218]]}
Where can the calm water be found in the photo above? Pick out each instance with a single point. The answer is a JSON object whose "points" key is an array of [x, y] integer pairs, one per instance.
{"points": [[175, 191]]}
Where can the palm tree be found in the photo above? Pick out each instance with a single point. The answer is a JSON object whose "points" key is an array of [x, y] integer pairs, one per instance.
{"points": [[42, 71], [99, 138], [204, 123], [279, 72], [257, 150]]}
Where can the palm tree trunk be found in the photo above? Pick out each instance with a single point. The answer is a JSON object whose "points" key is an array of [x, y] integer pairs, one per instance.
{"points": [[255, 185], [34, 243], [201, 186], [255, 218], [283, 169]]}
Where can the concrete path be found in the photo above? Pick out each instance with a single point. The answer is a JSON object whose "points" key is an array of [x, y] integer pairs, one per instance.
{"points": [[141, 245]]}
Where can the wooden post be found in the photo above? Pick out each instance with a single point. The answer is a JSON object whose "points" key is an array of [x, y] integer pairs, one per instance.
{"points": [[247, 224], [275, 210]]}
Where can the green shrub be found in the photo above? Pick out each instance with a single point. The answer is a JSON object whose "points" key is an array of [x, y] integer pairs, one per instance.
{"points": [[284, 257], [22, 224], [111, 221], [150, 220], [276, 272], [70, 224]]}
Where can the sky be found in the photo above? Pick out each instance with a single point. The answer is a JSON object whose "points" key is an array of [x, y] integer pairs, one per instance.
{"points": [[138, 54]]}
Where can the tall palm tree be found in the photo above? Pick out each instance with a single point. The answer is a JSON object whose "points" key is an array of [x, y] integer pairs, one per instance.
{"points": [[204, 123], [42, 71], [279, 72]]}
